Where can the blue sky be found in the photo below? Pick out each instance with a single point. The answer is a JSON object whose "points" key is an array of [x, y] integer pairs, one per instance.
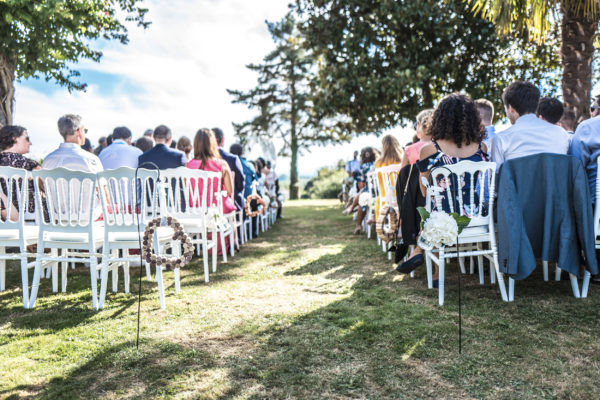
{"points": [[176, 73]]}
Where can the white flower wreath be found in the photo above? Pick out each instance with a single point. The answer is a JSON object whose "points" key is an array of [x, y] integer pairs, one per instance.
{"points": [[179, 234]]}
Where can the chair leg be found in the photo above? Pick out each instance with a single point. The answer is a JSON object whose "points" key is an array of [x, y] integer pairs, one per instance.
{"points": [[223, 247], [35, 283], [2, 270], [54, 253], [94, 280], [429, 272], [148, 273], [205, 256], [232, 241], [545, 268], [480, 267], [161, 288], [176, 278], [511, 289], [103, 281], [64, 267], [586, 283], [126, 277], [557, 273], [499, 274], [461, 262], [214, 250], [575, 286], [24, 280], [441, 277]]}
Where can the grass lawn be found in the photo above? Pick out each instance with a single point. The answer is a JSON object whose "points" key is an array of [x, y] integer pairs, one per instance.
{"points": [[305, 311]]}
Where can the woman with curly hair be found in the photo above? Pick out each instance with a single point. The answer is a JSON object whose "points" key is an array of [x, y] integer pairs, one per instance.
{"points": [[368, 155], [457, 134], [14, 142]]}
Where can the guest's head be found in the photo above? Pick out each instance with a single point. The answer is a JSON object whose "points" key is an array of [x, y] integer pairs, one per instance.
{"points": [[424, 123], [456, 119], [109, 139], [70, 127], [185, 144], [260, 164], [486, 111], [162, 135], [102, 141], [355, 155], [391, 152], [220, 136], [236, 149], [520, 98], [144, 143], [14, 139], [122, 133], [415, 139], [173, 144], [205, 146], [550, 109], [149, 133], [568, 120], [367, 154]]}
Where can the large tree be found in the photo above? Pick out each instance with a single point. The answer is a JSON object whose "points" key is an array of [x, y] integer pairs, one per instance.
{"points": [[44, 38], [382, 62], [578, 28], [282, 100]]}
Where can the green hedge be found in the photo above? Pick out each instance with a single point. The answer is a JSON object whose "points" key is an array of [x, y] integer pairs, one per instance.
{"points": [[327, 184]]}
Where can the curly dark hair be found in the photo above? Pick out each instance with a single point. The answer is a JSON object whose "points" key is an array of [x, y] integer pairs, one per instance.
{"points": [[456, 118], [367, 154], [9, 135]]}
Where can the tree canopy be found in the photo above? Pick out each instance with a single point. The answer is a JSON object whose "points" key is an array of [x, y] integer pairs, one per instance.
{"points": [[45, 38], [380, 63]]}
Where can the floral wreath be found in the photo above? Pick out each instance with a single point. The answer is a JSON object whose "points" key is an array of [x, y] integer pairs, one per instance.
{"points": [[386, 225], [179, 234], [260, 202]]}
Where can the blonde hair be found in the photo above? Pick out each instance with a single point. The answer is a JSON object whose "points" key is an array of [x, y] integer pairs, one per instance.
{"points": [[391, 152], [425, 118], [205, 146]]}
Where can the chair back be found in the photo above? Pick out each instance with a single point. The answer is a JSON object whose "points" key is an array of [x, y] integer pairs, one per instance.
{"points": [[466, 188], [14, 197], [597, 209], [183, 192], [71, 199], [372, 185], [127, 200], [386, 183]]}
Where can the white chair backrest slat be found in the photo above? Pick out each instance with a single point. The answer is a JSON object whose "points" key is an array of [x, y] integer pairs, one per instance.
{"points": [[386, 183], [14, 188]]}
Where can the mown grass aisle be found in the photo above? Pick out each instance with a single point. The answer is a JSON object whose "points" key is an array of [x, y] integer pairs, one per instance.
{"points": [[307, 310]]}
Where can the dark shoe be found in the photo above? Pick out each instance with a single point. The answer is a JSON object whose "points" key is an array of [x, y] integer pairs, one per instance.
{"points": [[595, 279], [411, 264], [400, 252], [436, 283]]}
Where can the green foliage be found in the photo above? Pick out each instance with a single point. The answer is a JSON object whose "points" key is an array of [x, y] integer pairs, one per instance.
{"points": [[44, 38], [381, 62], [327, 184]]}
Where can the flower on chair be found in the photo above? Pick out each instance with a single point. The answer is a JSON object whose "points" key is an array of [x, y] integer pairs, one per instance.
{"points": [[439, 228]]}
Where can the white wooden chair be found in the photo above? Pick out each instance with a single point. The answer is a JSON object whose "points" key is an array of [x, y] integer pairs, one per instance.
{"points": [[71, 197], [14, 232], [185, 196], [480, 230], [385, 179], [128, 204], [374, 191]]}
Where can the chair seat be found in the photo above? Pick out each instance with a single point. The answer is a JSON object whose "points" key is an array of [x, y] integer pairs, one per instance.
{"points": [[164, 233], [75, 237], [29, 231]]}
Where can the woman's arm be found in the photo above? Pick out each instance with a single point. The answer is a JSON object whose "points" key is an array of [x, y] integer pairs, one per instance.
{"points": [[404, 161], [227, 178], [426, 151]]}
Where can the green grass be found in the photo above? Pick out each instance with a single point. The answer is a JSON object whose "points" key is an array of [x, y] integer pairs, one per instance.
{"points": [[305, 311]]}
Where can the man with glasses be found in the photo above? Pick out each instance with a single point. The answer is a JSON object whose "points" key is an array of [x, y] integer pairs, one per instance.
{"points": [[70, 154]]}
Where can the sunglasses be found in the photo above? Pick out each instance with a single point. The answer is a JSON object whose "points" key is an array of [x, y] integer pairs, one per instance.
{"points": [[592, 108]]}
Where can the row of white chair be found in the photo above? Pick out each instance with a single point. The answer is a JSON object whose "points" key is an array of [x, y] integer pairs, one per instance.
{"points": [[97, 219]]}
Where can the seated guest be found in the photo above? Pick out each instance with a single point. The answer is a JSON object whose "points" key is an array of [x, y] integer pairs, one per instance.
{"points": [[568, 121], [120, 153], [70, 154], [249, 170], [272, 185], [457, 135], [391, 153], [486, 112], [585, 145], [550, 109], [236, 167], [161, 156], [411, 152], [144, 144], [101, 145], [529, 134], [595, 108], [367, 164], [14, 142], [260, 178], [185, 145]]}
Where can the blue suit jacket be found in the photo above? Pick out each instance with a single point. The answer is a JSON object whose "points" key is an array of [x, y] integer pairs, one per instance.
{"points": [[544, 211], [238, 185], [163, 156]]}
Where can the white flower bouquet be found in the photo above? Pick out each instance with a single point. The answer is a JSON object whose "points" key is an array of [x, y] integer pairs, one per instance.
{"points": [[364, 199], [439, 228]]}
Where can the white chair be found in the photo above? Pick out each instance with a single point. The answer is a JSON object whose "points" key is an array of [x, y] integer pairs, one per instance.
{"points": [[128, 204], [373, 191], [480, 230], [14, 232], [385, 179], [71, 197], [185, 196]]}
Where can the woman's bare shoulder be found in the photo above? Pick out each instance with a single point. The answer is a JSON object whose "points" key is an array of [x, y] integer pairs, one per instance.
{"points": [[427, 150]]}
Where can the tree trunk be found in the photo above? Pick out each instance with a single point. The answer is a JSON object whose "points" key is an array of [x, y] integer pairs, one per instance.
{"points": [[7, 90], [294, 185], [577, 51]]}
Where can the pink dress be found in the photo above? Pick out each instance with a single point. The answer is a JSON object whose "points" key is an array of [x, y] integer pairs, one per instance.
{"points": [[215, 165], [414, 150]]}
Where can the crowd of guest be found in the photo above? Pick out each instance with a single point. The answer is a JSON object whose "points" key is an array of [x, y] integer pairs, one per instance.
{"points": [[461, 128], [156, 149]]}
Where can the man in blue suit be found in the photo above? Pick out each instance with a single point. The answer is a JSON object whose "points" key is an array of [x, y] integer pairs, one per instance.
{"points": [[236, 166], [161, 155]]}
